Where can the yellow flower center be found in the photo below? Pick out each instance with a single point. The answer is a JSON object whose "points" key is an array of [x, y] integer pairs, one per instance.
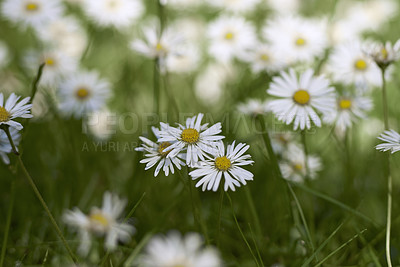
{"points": [[161, 148], [190, 135], [49, 61], [229, 36], [264, 57], [298, 166], [300, 41], [360, 64], [301, 97], [4, 115], [159, 47], [384, 53], [30, 6], [223, 163], [99, 218], [345, 104], [82, 93]]}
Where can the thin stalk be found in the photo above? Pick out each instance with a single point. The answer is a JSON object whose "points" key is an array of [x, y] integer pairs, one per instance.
{"points": [[36, 81], [389, 181], [39, 196], [253, 212], [8, 223]]}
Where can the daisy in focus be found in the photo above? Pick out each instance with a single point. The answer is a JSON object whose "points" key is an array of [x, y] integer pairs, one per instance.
{"points": [[391, 141], [349, 64], [35, 13], [293, 165], [5, 146], [296, 38], [301, 98], [83, 92], [12, 109], [349, 110], [226, 164], [101, 222], [176, 250], [230, 37], [195, 138], [117, 13], [254, 107], [156, 153]]}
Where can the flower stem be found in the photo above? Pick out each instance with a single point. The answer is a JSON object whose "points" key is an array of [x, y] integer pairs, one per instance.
{"points": [[36, 81], [253, 212], [39, 196], [8, 223], [389, 181]]}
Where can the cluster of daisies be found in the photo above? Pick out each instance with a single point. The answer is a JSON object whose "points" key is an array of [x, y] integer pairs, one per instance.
{"points": [[200, 147]]}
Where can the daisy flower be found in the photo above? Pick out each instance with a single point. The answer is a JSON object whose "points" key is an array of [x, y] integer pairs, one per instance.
{"points": [[155, 153], [58, 65], [349, 64], [295, 38], [83, 92], [349, 110], [226, 164], [294, 166], [229, 37], [35, 13], [158, 46], [12, 109], [264, 58], [177, 250], [391, 141], [301, 98], [235, 6], [385, 54], [254, 107], [101, 222], [117, 13], [280, 141], [5, 146], [198, 139]]}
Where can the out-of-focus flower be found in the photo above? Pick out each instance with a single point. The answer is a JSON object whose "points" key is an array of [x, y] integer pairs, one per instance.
{"points": [[391, 141], [175, 250], [293, 165], [263, 57], [224, 164], [102, 124], [295, 38], [155, 153], [5, 146], [301, 98], [12, 109], [385, 54], [254, 107], [280, 141], [185, 62], [4, 55], [117, 13], [101, 222], [285, 7], [230, 37], [349, 64], [35, 13], [349, 110], [195, 138], [235, 6], [83, 92]]}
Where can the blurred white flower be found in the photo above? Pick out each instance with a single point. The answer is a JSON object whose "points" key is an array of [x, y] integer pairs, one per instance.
{"points": [[280, 141], [254, 107], [285, 7], [12, 109], [65, 34], [101, 222], [384, 54], [182, 4], [5, 146], [230, 37], [186, 61], [293, 165], [195, 138], [175, 250], [349, 64], [58, 65], [235, 6], [35, 13], [263, 57], [155, 153], [226, 164], [117, 13], [349, 110], [295, 38], [300, 98], [4, 55], [391, 141], [83, 92], [102, 124]]}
